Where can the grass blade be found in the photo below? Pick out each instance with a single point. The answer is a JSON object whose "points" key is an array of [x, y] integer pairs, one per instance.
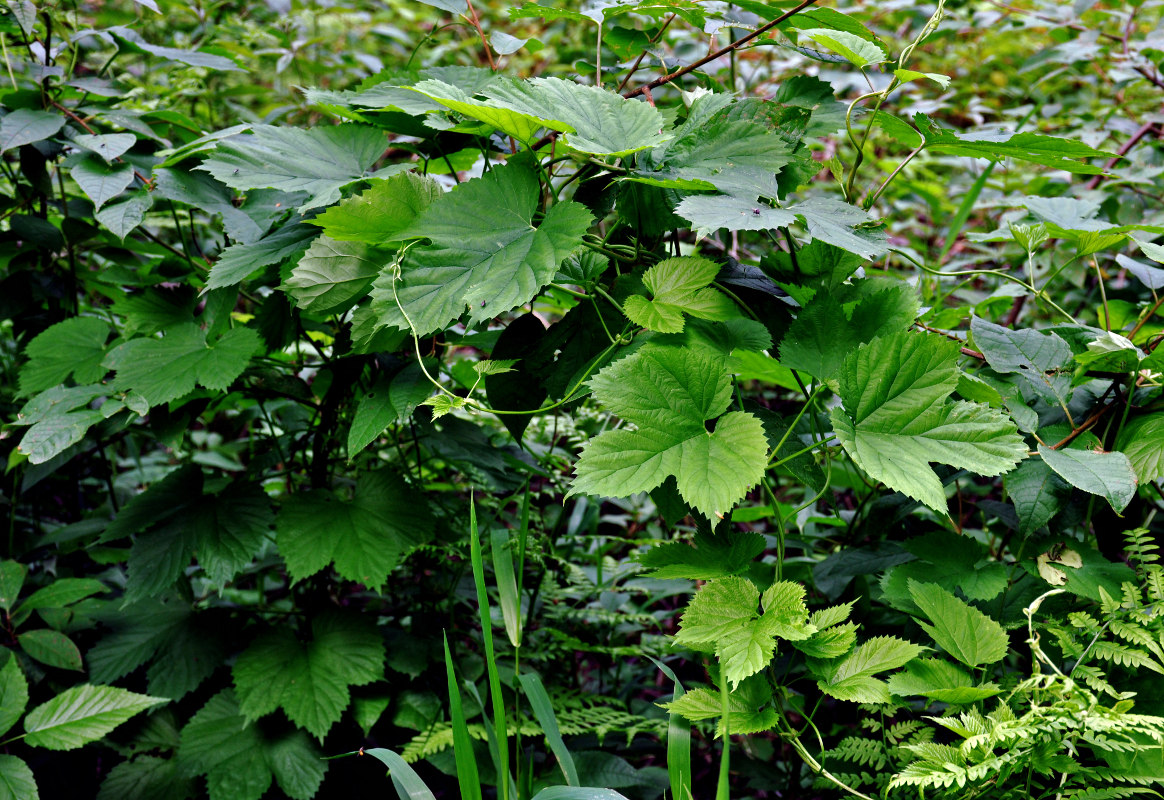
{"points": [[497, 700], [577, 793], [506, 585], [678, 743], [539, 701], [723, 788], [467, 776], [408, 784]]}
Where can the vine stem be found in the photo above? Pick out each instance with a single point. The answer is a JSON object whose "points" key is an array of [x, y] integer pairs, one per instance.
{"points": [[736, 45], [475, 21]]}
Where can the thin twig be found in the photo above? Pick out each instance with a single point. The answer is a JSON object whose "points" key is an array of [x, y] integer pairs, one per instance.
{"points": [[694, 65], [476, 23], [1144, 130]]}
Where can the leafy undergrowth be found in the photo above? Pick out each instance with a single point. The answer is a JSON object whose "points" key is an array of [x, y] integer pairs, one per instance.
{"points": [[601, 400]]}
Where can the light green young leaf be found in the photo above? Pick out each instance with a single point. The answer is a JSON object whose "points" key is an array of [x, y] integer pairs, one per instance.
{"points": [[486, 255], [897, 418], [940, 681], [724, 613], [669, 394], [679, 286], [380, 214], [319, 161], [856, 50], [365, 538], [309, 681], [958, 628], [161, 370], [82, 714], [74, 347], [332, 276], [749, 707], [25, 126], [1109, 475], [907, 75], [16, 780]]}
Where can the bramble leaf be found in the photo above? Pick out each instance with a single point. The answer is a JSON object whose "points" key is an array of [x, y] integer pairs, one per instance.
{"points": [[309, 681], [960, 629], [365, 537], [319, 161], [165, 369], [72, 348]]}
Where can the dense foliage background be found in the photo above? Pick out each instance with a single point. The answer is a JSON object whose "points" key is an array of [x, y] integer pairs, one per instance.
{"points": [[581, 400]]}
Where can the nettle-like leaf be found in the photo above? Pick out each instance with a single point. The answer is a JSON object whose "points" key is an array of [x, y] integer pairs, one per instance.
{"points": [[485, 255], [852, 677], [669, 394], [725, 614], [238, 261], [388, 401], [72, 348], [896, 417], [749, 707], [309, 681], [380, 214], [858, 51], [708, 556], [940, 681], [83, 714], [13, 693], [679, 286], [827, 220], [958, 628], [101, 181], [240, 759], [365, 538], [161, 370], [734, 156], [320, 161], [595, 121], [332, 276]]}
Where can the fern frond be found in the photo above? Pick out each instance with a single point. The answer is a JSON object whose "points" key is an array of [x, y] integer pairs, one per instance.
{"points": [[1140, 547], [1125, 656], [1136, 634], [866, 752], [1108, 793]]}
